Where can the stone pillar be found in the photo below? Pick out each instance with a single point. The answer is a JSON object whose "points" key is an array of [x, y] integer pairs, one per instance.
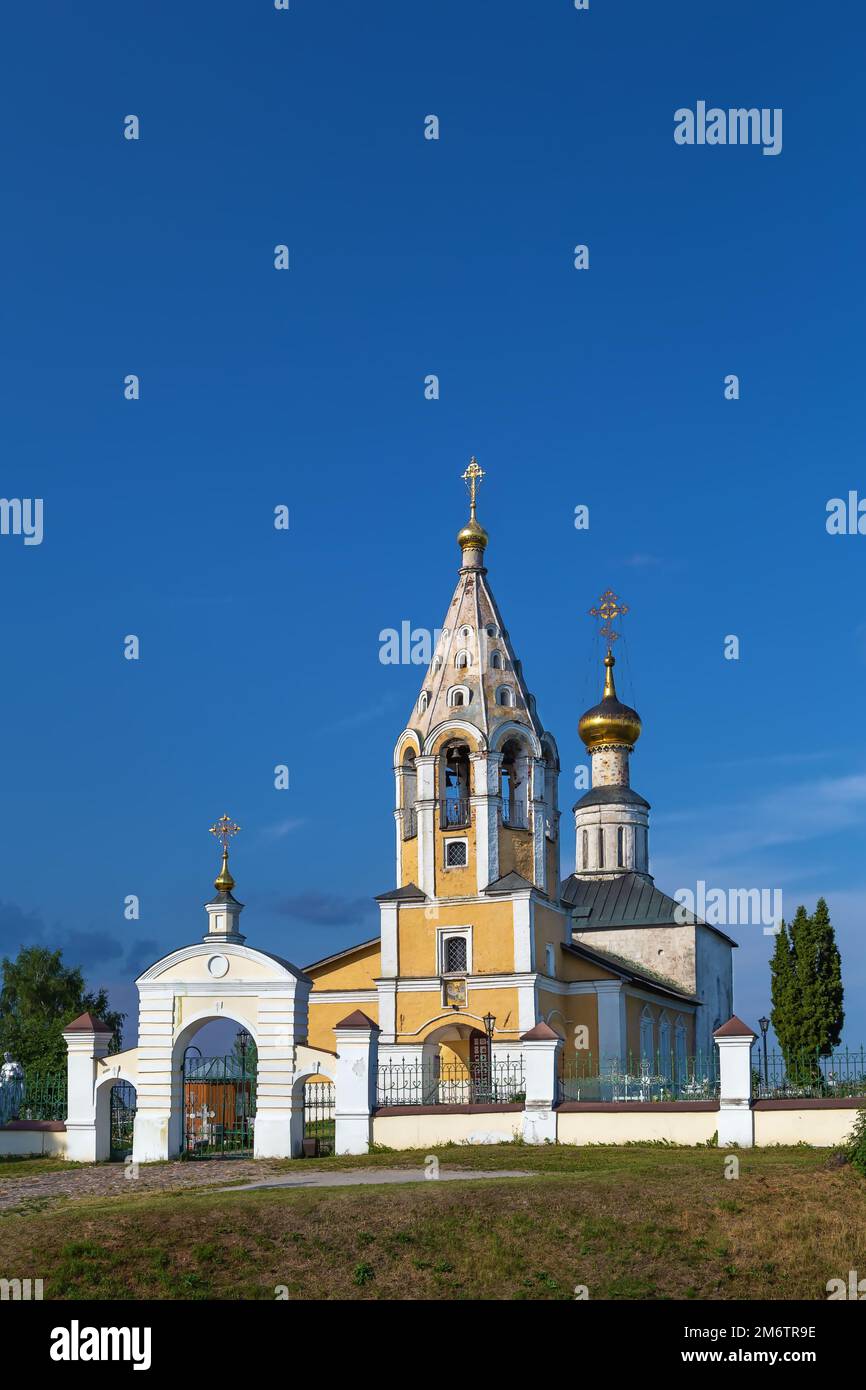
{"points": [[87, 1039], [736, 1121], [541, 1047], [357, 1064], [281, 1021]]}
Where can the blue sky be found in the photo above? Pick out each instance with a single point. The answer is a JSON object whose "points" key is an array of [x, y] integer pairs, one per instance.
{"points": [[601, 387]]}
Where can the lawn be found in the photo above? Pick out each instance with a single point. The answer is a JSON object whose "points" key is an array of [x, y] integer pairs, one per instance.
{"points": [[628, 1223]]}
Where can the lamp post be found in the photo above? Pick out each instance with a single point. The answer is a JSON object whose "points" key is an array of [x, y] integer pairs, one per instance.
{"points": [[489, 1024], [763, 1024]]}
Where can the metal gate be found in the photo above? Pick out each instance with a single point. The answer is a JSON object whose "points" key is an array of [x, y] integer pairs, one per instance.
{"points": [[219, 1107], [319, 1122], [123, 1105]]}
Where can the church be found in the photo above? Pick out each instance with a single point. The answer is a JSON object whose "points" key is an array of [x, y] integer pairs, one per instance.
{"points": [[480, 941]]}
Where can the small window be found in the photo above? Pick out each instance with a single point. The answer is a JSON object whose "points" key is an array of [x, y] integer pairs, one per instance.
{"points": [[423, 700], [491, 632], [456, 854], [466, 633], [620, 847], [437, 664], [585, 864], [601, 848], [455, 955], [505, 696], [462, 659], [458, 695], [496, 661], [550, 960]]}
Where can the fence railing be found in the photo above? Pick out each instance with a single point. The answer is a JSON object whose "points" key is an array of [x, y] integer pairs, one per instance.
{"points": [[514, 815], [447, 1083], [40, 1096], [807, 1074], [664, 1076], [455, 813]]}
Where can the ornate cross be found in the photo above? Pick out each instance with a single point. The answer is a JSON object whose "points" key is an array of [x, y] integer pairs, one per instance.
{"points": [[609, 608], [224, 829], [472, 478]]}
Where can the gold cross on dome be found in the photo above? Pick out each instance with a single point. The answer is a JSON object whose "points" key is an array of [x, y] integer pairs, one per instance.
{"points": [[473, 478], [609, 608], [224, 829]]}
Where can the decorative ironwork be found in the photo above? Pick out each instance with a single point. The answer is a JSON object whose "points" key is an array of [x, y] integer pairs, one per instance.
{"points": [[219, 1106], [473, 478], [42, 1097], [609, 608], [434, 1082], [320, 1124], [514, 815], [123, 1106], [664, 1076], [455, 812], [808, 1074]]}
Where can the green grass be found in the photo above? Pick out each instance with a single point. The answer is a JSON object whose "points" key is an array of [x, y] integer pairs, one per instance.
{"points": [[627, 1222], [12, 1167]]}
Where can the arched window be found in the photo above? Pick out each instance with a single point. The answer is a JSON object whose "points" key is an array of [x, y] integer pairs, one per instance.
{"points": [[665, 1058], [512, 782], [437, 664], [585, 864], [620, 847], [600, 848], [505, 696], [423, 701], [408, 793], [680, 1058], [466, 633], [458, 695], [496, 661], [646, 1041], [454, 785], [463, 659]]}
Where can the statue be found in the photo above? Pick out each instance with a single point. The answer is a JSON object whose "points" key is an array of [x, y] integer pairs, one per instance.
{"points": [[11, 1088]]}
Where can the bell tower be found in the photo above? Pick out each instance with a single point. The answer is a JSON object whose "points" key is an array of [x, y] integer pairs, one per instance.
{"points": [[475, 772], [611, 820]]}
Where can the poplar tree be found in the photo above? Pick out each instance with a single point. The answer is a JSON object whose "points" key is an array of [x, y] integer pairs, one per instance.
{"points": [[806, 976]]}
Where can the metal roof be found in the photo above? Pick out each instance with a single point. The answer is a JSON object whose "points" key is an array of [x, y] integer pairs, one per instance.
{"points": [[626, 900]]}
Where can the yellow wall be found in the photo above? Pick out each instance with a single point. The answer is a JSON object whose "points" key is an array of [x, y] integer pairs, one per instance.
{"points": [[492, 936]]}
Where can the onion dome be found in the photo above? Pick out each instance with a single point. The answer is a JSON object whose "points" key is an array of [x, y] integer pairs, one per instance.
{"points": [[609, 721], [473, 535]]}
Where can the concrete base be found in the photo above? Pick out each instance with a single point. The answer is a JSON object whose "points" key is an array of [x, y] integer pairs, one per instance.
{"points": [[736, 1126], [81, 1145], [272, 1134], [539, 1125], [353, 1134], [149, 1138]]}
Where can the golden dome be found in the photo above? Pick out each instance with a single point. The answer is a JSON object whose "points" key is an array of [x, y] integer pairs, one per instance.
{"points": [[473, 535], [609, 721], [224, 883]]}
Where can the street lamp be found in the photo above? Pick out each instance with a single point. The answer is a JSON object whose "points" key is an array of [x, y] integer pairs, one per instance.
{"points": [[763, 1024], [489, 1024]]}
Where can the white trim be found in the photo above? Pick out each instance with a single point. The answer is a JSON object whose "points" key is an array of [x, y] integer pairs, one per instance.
{"points": [[339, 996]]}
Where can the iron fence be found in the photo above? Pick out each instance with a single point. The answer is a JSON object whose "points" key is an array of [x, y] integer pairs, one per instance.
{"points": [[663, 1076], [320, 1125], [808, 1074], [41, 1096], [435, 1082]]}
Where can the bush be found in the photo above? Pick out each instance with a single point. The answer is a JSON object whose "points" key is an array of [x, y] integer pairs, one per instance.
{"points": [[857, 1143]]}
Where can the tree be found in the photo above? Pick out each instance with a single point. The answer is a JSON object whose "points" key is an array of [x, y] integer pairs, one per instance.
{"points": [[806, 974], [40, 995]]}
